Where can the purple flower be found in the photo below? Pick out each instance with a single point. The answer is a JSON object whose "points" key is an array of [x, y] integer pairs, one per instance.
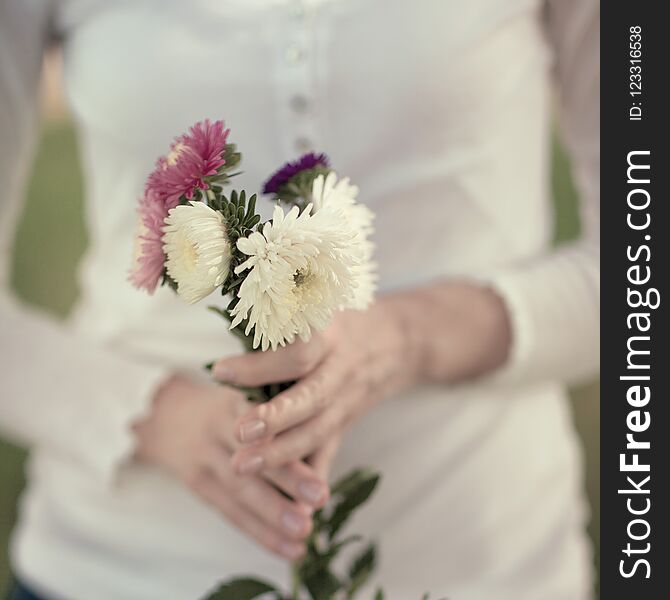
{"points": [[289, 170]]}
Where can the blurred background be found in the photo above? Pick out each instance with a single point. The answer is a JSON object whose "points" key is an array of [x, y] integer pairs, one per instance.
{"points": [[53, 219]]}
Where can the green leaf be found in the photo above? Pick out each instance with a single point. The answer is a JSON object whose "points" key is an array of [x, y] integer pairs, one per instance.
{"points": [[349, 481], [361, 569], [236, 282], [242, 589], [232, 158], [335, 548], [251, 207], [379, 595], [256, 395], [220, 311], [319, 561], [297, 191], [167, 280], [354, 490], [322, 585]]}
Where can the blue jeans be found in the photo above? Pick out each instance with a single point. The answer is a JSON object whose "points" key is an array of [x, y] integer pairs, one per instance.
{"points": [[20, 592]]}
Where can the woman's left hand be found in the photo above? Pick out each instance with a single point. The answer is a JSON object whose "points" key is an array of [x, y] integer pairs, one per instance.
{"points": [[339, 375], [445, 332]]}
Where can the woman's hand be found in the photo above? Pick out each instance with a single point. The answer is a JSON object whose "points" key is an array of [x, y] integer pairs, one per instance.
{"points": [[190, 434], [446, 332], [340, 374]]}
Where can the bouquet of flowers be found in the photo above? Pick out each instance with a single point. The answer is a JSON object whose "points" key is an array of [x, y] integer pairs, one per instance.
{"points": [[282, 279]]}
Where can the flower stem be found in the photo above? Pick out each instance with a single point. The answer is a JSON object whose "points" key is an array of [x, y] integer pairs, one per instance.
{"points": [[296, 583]]}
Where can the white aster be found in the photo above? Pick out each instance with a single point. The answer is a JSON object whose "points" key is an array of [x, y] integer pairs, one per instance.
{"points": [[335, 200], [197, 248], [300, 272]]}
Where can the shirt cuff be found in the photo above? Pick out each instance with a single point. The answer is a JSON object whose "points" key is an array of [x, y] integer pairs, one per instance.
{"points": [[553, 308], [109, 442]]}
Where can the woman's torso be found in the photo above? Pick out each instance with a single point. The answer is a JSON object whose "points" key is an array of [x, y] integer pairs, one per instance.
{"points": [[439, 111]]}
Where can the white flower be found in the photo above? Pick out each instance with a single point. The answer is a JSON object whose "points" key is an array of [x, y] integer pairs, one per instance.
{"points": [[336, 200], [197, 248], [300, 272]]}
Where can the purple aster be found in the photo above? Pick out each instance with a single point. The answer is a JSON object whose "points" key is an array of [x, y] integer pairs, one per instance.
{"points": [[289, 170]]}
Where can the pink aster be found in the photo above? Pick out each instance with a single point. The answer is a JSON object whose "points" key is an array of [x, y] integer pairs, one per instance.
{"points": [[193, 157], [150, 257]]}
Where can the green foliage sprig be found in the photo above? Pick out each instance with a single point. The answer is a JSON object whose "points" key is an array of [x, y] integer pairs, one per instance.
{"points": [[232, 160], [314, 577], [297, 191]]}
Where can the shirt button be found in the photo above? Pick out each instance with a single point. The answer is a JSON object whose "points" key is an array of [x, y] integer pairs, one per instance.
{"points": [[302, 145], [299, 104], [298, 10], [294, 54]]}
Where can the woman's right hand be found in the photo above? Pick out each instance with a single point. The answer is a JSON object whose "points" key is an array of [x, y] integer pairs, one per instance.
{"points": [[190, 433]]}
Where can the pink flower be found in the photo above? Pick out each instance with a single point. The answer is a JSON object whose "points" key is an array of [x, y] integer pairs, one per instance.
{"points": [[149, 255], [193, 157]]}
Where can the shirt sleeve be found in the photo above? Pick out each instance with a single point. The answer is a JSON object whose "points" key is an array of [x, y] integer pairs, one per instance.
{"points": [[56, 391], [553, 300]]}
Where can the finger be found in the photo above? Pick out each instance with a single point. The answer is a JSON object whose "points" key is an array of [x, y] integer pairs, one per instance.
{"points": [[300, 481], [322, 459], [221, 425], [260, 498], [211, 490], [292, 445], [260, 368], [299, 403]]}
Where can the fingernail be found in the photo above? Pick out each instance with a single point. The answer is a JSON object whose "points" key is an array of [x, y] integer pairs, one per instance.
{"points": [[252, 431], [291, 551], [251, 464], [223, 372], [312, 492], [293, 523]]}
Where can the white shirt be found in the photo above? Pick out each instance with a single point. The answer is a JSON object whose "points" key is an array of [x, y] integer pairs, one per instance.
{"points": [[441, 112]]}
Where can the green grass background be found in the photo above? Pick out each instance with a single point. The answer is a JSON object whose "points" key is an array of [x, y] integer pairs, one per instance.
{"points": [[53, 219]]}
